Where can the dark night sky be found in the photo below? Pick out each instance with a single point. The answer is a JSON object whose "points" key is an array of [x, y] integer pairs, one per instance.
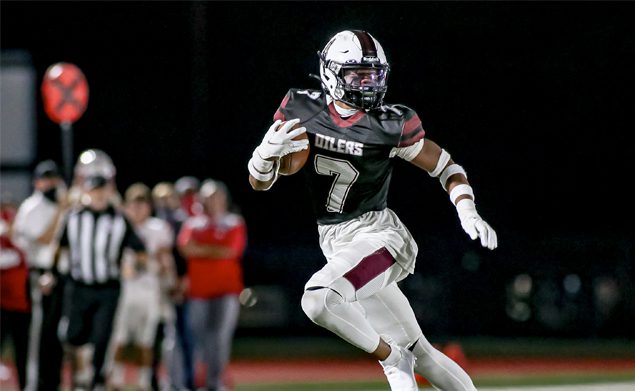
{"points": [[535, 100]]}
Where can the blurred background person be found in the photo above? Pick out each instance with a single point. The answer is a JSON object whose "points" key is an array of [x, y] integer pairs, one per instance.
{"points": [[90, 163], [173, 325], [35, 231], [167, 204], [213, 244], [173, 206], [187, 187], [15, 308], [140, 306], [94, 237]]}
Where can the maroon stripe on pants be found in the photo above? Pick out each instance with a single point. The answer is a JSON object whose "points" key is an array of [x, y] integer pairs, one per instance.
{"points": [[370, 267]]}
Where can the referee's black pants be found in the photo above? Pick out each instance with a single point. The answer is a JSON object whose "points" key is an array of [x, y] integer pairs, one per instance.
{"points": [[89, 311], [45, 351]]}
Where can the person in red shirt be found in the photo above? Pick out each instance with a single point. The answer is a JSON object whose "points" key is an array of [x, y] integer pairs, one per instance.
{"points": [[15, 306], [213, 244]]}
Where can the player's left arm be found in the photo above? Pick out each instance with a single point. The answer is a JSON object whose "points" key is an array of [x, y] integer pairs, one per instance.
{"points": [[438, 163]]}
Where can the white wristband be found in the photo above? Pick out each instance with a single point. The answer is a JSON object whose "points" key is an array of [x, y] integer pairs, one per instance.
{"points": [[460, 190], [261, 169], [466, 205], [444, 158], [450, 170]]}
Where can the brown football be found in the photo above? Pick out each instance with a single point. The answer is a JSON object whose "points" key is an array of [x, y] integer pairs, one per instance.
{"points": [[293, 162]]}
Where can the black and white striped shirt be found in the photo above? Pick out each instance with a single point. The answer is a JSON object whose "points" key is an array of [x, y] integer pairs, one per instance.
{"points": [[96, 240]]}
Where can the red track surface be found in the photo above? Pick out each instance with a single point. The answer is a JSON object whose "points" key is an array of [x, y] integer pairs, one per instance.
{"points": [[337, 370], [263, 372]]}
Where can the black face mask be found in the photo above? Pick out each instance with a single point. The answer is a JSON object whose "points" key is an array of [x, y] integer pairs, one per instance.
{"points": [[51, 194]]}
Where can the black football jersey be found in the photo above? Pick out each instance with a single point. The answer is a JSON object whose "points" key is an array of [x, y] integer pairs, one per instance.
{"points": [[349, 166]]}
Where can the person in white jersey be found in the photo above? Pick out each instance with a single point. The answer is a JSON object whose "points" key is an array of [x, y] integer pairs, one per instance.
{"points": [[140, 307]]}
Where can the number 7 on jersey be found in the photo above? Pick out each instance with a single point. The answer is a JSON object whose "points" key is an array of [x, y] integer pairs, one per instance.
{"points": [[345, 175]]}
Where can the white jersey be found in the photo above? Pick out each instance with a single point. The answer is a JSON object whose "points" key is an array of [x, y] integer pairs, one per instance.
{"points": [[156, 234], [33, 218], [142, 303]]}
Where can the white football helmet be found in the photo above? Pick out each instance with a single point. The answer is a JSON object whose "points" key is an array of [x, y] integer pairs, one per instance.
{"points": [[354, 69]]}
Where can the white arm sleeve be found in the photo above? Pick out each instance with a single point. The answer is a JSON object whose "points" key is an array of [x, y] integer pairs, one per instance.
{"points": [[407, 153]]}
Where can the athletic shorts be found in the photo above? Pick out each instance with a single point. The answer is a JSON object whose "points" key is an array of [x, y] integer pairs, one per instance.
{"points": [[138, 317], [370, 251]]}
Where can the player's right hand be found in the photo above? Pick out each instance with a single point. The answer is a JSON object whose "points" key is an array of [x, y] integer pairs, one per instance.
{"points": [[278, 140], [474, 225]]}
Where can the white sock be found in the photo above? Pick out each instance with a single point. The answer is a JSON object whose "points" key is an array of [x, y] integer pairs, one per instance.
{"points": [[439, 369], [394, 356], [117, 375], [145, 377]]}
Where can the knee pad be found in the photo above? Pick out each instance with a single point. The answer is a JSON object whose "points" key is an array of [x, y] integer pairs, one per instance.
{"points": [[316, 302]]}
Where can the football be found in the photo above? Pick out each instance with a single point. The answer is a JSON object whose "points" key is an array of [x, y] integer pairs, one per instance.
{"points": [[293, 162]]}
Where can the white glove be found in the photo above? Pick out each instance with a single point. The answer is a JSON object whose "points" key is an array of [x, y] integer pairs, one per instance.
{"points": [[276, 144], [279, 142], [474, 224]]}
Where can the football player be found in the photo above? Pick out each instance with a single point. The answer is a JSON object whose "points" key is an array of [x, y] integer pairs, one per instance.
{"points": [[354, 137], [140, 304]]}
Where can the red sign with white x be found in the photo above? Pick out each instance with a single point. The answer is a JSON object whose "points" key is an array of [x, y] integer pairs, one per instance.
{"points": [[65, 93]]}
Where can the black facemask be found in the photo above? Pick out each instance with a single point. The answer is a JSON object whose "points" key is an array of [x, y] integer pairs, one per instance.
{"points": [[51, 194]]}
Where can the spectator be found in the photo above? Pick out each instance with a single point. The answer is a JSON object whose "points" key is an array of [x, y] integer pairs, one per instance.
{"points": [[213, 244], [94, 236], [187, 187], [15, 309], [179, 356], [140, 305], [35, 231]]}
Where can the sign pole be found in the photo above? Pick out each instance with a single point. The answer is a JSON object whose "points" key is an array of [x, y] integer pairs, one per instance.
{"points": [[67, 150]]}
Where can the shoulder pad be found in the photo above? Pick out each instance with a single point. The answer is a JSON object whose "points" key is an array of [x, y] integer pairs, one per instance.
{"points": [[300, 103], [309, 93], [401, 122], [398, 110]]}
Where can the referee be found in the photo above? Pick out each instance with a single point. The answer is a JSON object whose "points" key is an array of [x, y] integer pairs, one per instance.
{"points": [[95, 237]]}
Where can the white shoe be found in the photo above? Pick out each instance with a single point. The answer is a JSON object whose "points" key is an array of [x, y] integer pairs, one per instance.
{"points": [[400, 374]]}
